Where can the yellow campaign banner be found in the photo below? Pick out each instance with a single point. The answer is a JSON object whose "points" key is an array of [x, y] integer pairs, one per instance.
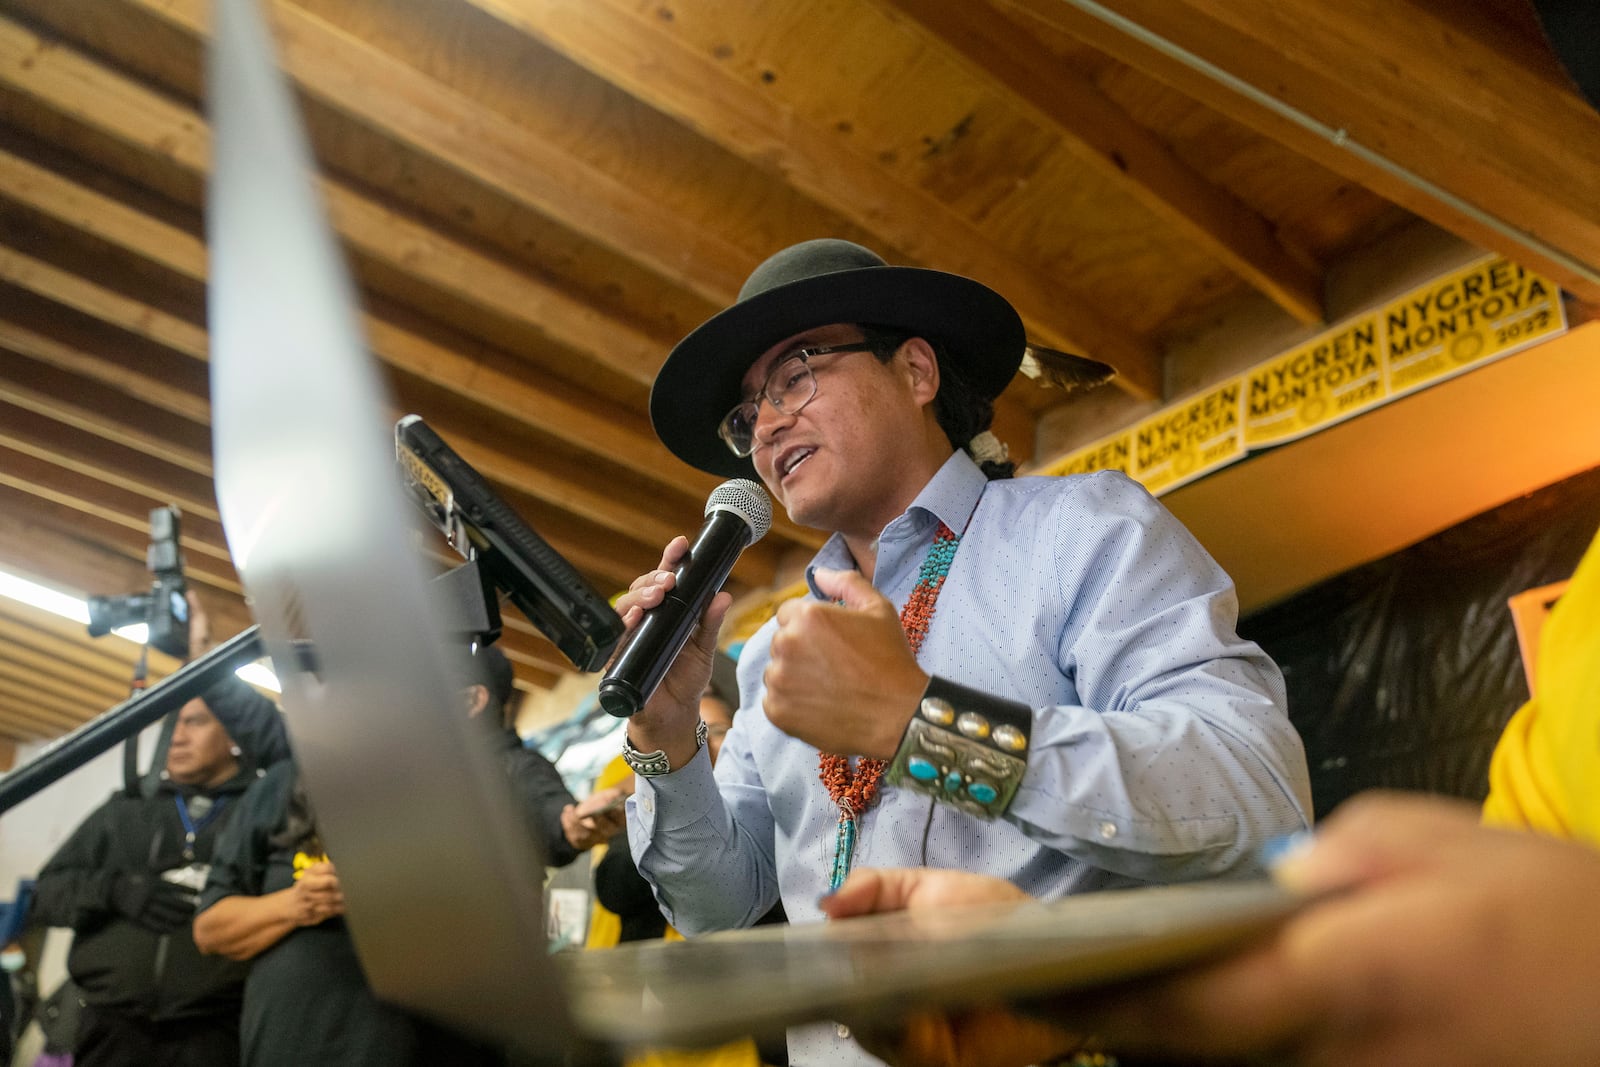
{"points": [[1476, 314], [1114, 453], [1187, 440], [1462, 320], [1333, 376]]}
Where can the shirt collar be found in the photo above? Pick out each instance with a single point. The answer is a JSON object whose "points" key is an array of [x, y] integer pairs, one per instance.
{"points": [[950, 497]]}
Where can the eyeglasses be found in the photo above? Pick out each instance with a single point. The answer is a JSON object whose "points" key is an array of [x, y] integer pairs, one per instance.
{"points": [[789, 387]]}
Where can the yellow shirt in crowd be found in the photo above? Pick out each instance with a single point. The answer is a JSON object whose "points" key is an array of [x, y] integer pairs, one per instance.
{"points": [[1545, 774]]}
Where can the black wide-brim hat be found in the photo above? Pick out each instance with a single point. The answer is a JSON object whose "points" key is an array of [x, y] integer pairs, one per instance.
{"points": [[819, 283]]}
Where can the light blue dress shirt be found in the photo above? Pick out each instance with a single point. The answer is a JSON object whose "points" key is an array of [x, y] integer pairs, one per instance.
{"points": [[1161, 750]]}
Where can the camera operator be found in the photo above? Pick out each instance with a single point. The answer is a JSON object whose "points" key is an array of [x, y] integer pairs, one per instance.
{"points": [[127, 880]]}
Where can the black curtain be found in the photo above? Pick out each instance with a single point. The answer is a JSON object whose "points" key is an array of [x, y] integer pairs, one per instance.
{"points": [[1403, 672]]}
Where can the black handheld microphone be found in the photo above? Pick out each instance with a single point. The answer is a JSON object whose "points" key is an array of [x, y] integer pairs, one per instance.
{"points": [[738, 515]]}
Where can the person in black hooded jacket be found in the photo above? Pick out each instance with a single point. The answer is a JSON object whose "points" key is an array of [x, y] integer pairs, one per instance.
{"points": [[275, 898], [126, 881]]}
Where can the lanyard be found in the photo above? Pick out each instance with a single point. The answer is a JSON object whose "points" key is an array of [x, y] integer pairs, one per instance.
{"points": [[191, 829]]}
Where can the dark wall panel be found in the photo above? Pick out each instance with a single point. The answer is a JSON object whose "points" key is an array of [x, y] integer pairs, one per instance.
{"points": [[1403, 672]]}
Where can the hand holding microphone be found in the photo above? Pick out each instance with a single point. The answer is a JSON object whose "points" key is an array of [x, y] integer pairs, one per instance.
{"points": [[738, 514]]}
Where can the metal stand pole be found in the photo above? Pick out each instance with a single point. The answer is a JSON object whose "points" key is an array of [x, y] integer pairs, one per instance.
{"points": [[128, 718]]}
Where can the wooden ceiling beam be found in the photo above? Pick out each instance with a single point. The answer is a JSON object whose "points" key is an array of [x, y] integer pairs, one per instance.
{"points": [[405, 349], [28, 433], [105, 415], [109, 306], [66, 707], [368, 87], [477, 379], [1106, 137], [90, 693], [607, 510], [125, 534], [617, 42], [70, 657], [84, 91], [379, 233], [1507, 152], [588, 423], [47, 70], [21, 720], [111, 493], [53, 677], [121, 107], [17, 731], [87, 210], [155, 391], [434, 259], [94, 409], [204, 547], [36, 409]]}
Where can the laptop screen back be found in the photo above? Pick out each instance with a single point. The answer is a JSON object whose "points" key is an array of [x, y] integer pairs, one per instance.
{"points": [[441, 878]]}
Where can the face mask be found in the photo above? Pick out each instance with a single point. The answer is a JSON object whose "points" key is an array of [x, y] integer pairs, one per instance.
{"points": [[12, 962]]}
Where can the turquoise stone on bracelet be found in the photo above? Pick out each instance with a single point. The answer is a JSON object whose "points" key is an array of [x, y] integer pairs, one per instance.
{"points": [[983, 792], [922, 769]]}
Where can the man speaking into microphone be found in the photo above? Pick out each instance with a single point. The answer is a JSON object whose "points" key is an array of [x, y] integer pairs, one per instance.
{"points": [[737, 515], [1032, 678]]}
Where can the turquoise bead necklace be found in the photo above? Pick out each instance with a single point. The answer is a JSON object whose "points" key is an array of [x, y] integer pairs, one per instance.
{"points": [[854, 790]]}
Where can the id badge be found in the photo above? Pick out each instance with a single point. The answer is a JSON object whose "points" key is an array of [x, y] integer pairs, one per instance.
{"points": [[191, 876]]}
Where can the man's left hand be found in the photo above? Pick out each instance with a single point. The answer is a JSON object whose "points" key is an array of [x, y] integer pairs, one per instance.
{"points": [[842, 676]]}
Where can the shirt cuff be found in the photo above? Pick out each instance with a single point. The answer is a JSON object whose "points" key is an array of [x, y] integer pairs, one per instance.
{"points": [[673, 801]]}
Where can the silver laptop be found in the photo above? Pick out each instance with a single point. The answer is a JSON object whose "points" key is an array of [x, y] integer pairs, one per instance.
{"points": [[441, 876]]}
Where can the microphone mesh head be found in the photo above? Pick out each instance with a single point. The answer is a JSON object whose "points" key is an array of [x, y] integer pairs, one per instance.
{"points": [[745, 499]]}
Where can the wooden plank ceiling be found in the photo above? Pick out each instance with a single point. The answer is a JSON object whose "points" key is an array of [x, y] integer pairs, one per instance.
{"points": [[540, 196]]}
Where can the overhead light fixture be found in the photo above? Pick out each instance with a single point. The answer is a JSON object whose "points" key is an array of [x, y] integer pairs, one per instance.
{"points": [[43, 598], [75, 609]]}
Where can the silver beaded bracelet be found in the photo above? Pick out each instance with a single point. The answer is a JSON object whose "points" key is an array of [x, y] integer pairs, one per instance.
{"points": [[654, 764]]}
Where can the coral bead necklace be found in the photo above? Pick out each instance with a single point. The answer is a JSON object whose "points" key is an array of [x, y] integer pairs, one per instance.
{"points": [[853, 790]]}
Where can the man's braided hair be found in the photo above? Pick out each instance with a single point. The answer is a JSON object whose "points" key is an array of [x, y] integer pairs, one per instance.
{"points": [[961, 413]]}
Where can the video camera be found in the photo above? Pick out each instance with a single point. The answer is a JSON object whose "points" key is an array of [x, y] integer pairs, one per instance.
{"points": [[165, 608]]}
